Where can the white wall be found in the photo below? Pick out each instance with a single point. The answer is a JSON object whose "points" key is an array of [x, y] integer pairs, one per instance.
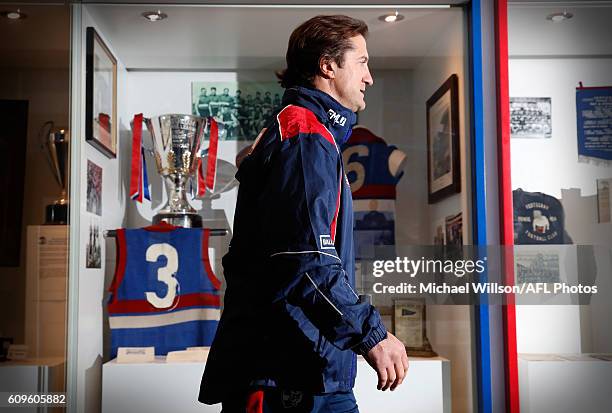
{"points": [[91, 282], [552, 166], [548, 165], [449, 327], [396, 110]]}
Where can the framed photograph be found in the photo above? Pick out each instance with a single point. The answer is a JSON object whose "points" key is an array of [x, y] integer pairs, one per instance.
{"points": [[443, 156], [532, 265], [241, 109], [409, 326], [101, 95], [603, 200], [94, 188], [454, 229], [439, 236], [93, 248], [530, 118]]}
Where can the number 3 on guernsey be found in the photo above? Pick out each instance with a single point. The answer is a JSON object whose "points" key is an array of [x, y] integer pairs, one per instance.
{"points": [[164, 274]]}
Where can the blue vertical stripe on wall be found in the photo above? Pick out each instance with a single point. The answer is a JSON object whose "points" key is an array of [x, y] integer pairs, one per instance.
{"points": [[484, 394]]}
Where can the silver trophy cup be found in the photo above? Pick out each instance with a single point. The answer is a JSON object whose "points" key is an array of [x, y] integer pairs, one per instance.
{"points": [[176, 146], [57, 146]]}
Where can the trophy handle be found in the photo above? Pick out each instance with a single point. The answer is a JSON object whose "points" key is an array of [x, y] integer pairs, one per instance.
{"points": [[43, 135]]}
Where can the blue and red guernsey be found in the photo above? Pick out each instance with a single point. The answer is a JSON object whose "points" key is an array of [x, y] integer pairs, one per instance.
{"points": [[164, 293], [372, 166], [373, 169]]}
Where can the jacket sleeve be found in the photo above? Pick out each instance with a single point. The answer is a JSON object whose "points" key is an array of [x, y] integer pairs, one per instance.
{"points": [[301, 200]]}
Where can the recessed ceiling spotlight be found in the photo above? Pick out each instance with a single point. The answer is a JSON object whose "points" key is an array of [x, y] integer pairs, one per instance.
{"points": [[154, 16], [13, 14], [391, 17], [559, 17]]}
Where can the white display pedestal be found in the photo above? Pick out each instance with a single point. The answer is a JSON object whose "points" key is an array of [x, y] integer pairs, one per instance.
{"points": [[554, 384], [159, 387], [427, 389]]}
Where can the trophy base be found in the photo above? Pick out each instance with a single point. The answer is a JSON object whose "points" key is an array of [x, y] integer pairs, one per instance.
{"points": [[185, 220], [56, 214]]}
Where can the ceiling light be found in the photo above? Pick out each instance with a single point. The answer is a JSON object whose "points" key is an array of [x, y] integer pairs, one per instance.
{"points": [[154, 16], [391, 17], [559, 17], [13, 14]]}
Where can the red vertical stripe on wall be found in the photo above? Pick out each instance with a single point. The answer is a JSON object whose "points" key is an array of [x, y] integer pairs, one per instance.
{"points": [[505, 191]]}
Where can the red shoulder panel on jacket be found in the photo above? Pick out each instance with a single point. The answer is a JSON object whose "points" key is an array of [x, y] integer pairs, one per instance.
{"points": [[294, 120]]}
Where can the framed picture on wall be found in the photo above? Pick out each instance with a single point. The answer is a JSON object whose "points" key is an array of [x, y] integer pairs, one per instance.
{"points": [[241, 109], [409, 326], [603, 200], [530, 117], [534, 264], [94, 188], [101, 95], [443, 168]]}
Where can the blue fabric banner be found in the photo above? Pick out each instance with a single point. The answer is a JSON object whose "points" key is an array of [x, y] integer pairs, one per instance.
{"points": [[594, 121]]}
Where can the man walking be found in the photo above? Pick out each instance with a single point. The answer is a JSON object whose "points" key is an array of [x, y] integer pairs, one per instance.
{"points": [[292, 324]]}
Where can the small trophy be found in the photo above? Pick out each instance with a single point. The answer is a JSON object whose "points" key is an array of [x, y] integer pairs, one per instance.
{"points": [[57, 146], [176, 147]]}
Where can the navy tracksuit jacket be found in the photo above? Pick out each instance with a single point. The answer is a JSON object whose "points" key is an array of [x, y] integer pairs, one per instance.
{"points": [[291, 317]]}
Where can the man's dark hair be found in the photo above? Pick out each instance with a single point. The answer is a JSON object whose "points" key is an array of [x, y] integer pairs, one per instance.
{"points": [[322, 37]]}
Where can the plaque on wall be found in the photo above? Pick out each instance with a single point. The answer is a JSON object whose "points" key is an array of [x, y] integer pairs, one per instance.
{"points": [[409, 326]]}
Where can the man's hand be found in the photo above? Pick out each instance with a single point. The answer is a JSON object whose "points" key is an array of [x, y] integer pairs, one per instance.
{"points": [[390, 361]]}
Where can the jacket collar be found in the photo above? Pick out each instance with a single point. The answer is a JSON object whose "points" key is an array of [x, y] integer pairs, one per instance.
{"points": [[338, 119]]}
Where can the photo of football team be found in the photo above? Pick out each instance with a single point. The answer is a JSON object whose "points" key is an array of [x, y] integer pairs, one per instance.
{"points": [[241, 109]]}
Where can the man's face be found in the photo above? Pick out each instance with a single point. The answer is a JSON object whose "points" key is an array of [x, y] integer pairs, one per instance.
{"points": [[350, 80]]}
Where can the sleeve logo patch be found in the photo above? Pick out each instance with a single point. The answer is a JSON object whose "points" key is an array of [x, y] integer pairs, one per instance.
{"points": [[326, 243]]}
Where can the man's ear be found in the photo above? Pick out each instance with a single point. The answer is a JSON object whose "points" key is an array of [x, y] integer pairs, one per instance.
{"points": [[327, 67]]}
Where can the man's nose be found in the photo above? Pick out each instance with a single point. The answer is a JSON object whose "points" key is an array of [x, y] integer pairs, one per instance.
{"points": [[367, 79]]}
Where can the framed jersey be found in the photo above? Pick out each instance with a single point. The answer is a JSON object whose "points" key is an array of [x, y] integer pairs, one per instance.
{"points": [[164, 293]]}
